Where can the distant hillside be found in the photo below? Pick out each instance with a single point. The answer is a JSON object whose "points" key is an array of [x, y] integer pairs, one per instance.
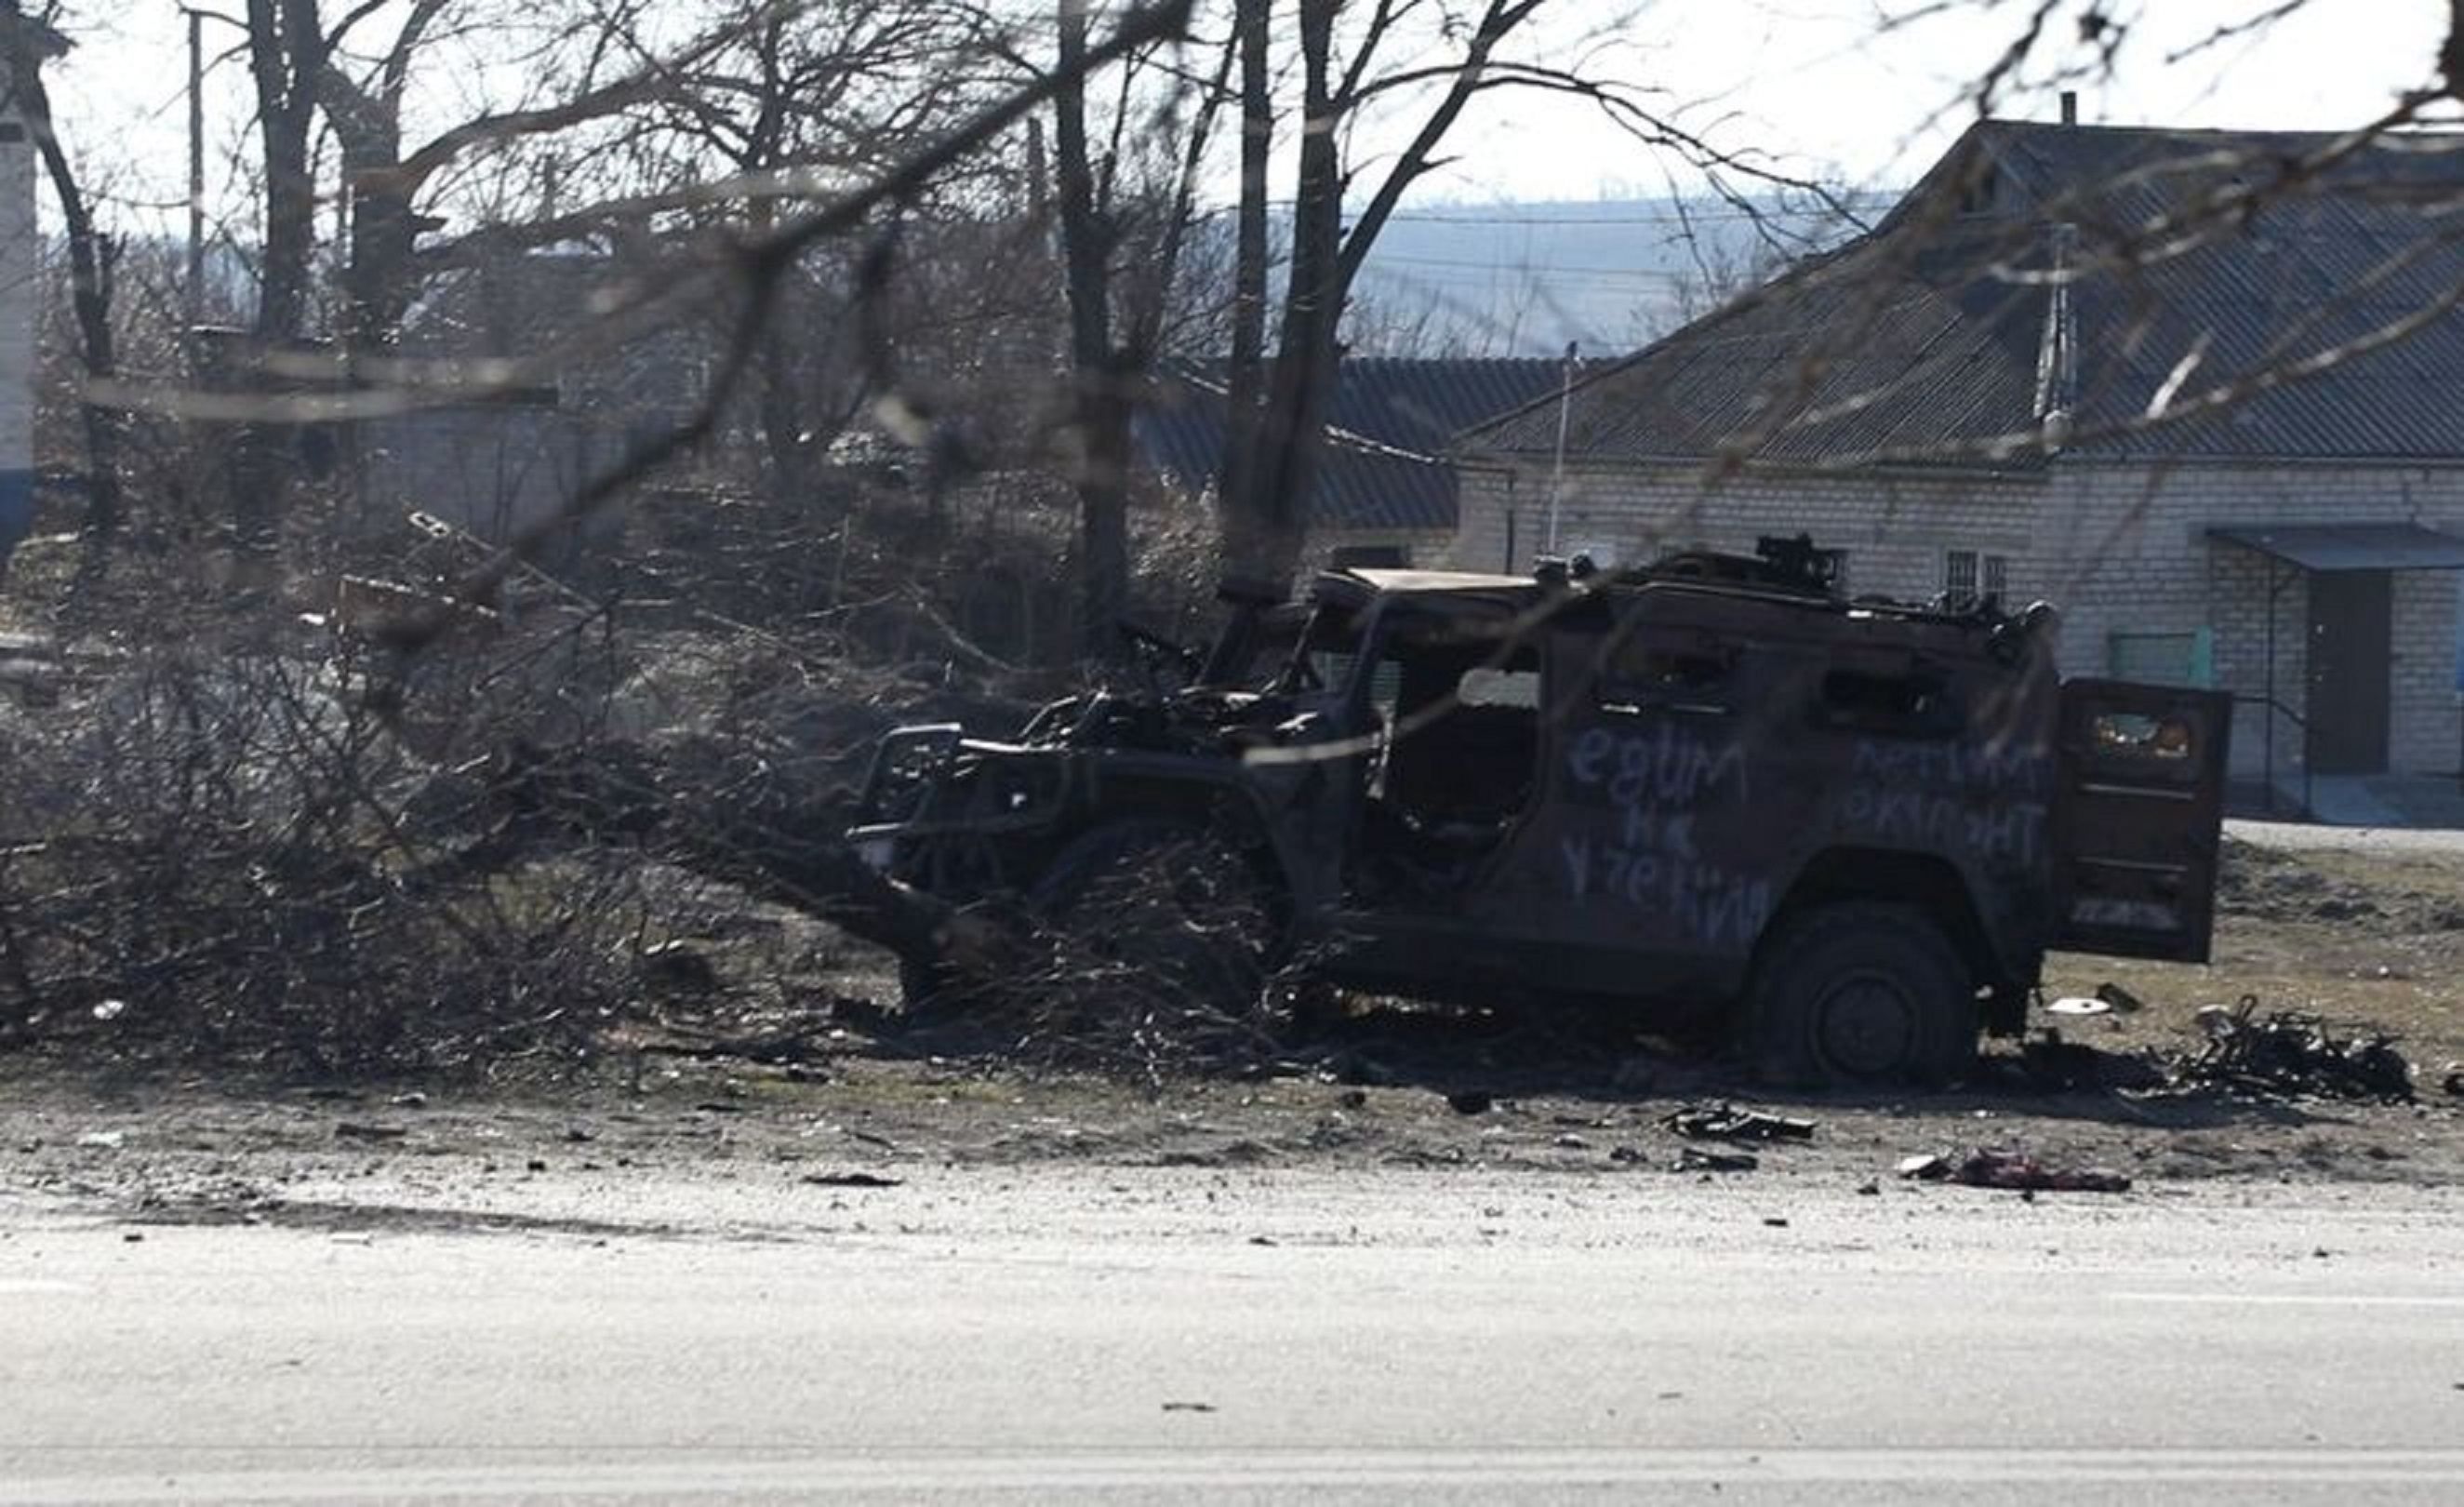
{"points": [[1521, 279]]}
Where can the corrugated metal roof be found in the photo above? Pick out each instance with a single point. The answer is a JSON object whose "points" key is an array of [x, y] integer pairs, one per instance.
{"points": [[1382, 467], [1922, 340], [2350, 546], [1421, 405]]}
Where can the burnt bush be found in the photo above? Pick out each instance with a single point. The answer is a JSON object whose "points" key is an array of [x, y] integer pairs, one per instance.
{"points": [[1149, 951], [229, 856]]}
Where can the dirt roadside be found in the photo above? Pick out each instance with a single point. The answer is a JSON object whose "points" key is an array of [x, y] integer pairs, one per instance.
{"points": [[815, 1105]]}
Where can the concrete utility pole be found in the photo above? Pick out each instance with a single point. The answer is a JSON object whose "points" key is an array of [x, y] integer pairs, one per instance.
{"points": [[196, 269], [1557, 473]]}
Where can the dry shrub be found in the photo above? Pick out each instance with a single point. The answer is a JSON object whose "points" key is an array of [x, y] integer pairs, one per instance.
{"points": [[229, 856], [1150, 954]]}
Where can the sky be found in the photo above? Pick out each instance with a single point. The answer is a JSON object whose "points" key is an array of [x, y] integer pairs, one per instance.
{"points": [[1829, 88], [1835, 96]]}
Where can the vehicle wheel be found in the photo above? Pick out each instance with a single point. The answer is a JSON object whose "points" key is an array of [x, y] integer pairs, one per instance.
{"points": [[1161, 926], [924, 986], [1860, 993]]}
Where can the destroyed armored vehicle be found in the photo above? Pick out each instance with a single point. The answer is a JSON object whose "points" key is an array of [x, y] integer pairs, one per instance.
{"points": [[1714, 791]]}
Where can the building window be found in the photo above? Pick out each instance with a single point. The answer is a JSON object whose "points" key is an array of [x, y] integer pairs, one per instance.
{"points": [[1967, 575]]}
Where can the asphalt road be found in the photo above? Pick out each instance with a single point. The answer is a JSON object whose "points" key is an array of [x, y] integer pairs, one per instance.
{"points": [[1068, 1335]]}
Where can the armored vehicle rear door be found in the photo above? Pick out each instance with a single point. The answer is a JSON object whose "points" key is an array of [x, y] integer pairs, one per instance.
{"points": [[2138, 819]]}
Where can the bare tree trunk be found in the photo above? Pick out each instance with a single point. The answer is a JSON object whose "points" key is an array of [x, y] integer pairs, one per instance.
{"points": [[286, 58], [1269, 520], [90, 274], [1244, 382], [1101, 405]]}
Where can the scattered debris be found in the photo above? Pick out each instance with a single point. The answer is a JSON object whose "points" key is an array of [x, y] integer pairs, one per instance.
{"points": [[2079, 1005], [2120, 998], [1624, 1154], [1869, 1188], [103, 1139], [355, 1130], [2294, 1052], [1693, 1160], [2048, 1064], [1189, 1407], [2014, 1170], [851, 1180], [1775, 1222], [2453, 1082], [109, 1010], [1727, 1122], [414, 1100], [1471, 1101]]}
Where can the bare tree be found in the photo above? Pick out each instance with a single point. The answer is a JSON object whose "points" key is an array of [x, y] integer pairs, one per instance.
{"points": [[1126, 210], [28, 45]]}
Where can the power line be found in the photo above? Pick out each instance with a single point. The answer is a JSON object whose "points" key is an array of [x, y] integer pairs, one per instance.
{"points": [[1526, 269], [1667, 217]]}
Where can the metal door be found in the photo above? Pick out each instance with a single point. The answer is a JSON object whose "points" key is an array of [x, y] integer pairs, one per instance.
{"points": [[2139, 819], [2347, 709]]}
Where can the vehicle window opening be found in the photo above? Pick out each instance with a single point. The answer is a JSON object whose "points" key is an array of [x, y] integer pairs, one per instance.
{"points": [[1915, 703], [1462, 756], [1643, 673], [1321, 656]]}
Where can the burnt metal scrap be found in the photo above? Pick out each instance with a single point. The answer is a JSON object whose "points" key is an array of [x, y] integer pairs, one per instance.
{"points": [[1714, 789], [2294, 1052], [1692, 1160], [2014, 1170], [1728, 1122]]}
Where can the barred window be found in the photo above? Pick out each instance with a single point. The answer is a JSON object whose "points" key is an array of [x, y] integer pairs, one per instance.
{"points": [[1967, 573]]}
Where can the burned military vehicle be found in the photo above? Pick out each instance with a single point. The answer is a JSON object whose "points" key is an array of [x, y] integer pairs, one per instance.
{"points": [[1713, 789]]}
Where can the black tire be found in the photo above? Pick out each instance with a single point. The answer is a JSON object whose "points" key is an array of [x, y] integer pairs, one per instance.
{"points": [[1859, 994]]}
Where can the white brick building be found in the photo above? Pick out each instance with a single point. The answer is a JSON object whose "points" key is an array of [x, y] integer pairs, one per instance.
{"points": [[1956, 403]]}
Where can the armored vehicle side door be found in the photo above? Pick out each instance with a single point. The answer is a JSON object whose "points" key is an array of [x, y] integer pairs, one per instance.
{"points": [[2138, 819], [1642, 867]]}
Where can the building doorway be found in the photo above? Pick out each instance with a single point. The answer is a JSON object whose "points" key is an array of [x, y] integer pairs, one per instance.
{"points": [[2348, 670]]}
